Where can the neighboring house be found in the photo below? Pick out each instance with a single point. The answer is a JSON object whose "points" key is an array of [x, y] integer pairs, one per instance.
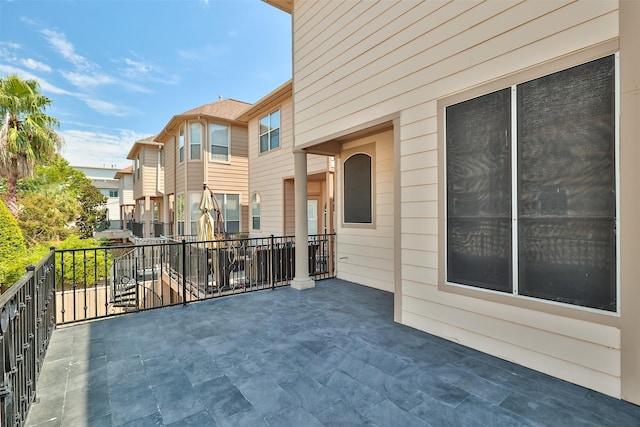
{"points": [[271, 183], [148, 189], [206, 145], [125, 195], [486, 172], [103, 179]]}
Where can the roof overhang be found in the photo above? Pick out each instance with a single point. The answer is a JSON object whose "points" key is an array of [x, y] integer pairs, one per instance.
{"points": [[137, 146], [269, 101], [284, 5]]}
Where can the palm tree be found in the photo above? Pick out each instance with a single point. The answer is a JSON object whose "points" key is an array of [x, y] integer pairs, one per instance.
{"points": [[27, 137]]}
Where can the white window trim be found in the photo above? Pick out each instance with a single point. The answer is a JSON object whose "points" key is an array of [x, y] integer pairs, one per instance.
{"points": [[268, 133], [228, 160]]}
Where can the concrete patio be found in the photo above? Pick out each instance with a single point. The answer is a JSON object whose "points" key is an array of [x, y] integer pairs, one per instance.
{"points": [[329, 356]]}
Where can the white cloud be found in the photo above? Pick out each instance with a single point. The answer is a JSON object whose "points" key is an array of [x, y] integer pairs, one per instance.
{"points": [[99, 147], [32, 64], [105, 107], [65, 48], [87, 80]]}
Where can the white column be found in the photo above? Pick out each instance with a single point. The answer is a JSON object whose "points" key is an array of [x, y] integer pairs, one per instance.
{"points": [[302, 279]]}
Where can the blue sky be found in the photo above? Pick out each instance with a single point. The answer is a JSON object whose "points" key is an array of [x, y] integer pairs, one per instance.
{"points": [[118, 70]]}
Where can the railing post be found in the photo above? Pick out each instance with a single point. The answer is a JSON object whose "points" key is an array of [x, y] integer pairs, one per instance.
{"points": [[271, 245], [184, 272]]}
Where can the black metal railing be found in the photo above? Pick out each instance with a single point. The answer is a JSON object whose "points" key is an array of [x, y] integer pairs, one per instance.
{"points": [[107, 281], [162, 229], [27, 320], [137, 228]]}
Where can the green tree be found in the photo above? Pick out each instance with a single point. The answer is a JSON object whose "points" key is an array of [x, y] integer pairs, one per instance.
{"points": [[94, 210], [58, 201], [27, 136], [12, 247]]}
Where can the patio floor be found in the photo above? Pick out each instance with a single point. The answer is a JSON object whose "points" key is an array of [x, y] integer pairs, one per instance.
{"points": [[328, 356]]}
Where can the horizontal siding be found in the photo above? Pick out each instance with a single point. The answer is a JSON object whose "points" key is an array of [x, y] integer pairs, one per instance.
{"points": [[357, 62], [169, 166], [417, 69], [365, 254], [269, 170]]}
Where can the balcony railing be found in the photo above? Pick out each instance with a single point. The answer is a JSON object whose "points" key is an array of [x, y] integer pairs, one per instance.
{"points": [[27, 319], [108, 281], [75, 285]]}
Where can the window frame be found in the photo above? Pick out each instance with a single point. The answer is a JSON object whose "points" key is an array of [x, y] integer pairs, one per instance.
{"points": [[222, 200], [181, 144], [544, 305], [180, 214], [256, 200], [212, 125], [269, 132], [193, 144], [368, 149]]}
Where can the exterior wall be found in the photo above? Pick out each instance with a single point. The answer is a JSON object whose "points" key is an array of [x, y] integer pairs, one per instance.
{"points": [[221, 177], [149, 162], [366, 252], [170, 161], [232, 177], [125, 189], [359, 64], [270, 169]]}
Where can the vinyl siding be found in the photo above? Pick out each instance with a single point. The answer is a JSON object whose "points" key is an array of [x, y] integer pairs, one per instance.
{"points": [[270, 169], [170, 166], [358, 62], [366, 253], [233, 177]]}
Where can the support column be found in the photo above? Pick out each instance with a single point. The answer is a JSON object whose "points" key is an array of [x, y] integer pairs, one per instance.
{"points": [[147, 216], [302, 279], [165, 215]]}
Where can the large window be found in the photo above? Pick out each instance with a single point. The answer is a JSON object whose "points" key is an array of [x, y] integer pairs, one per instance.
{"points": [[219, 137], [255, 211], [195, 141], [358, 206], [270, 131], [230, 206], [181, 145], [180, 213], [194, 211], [531, 188]]}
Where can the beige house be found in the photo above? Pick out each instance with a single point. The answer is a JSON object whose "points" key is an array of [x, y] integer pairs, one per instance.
{"points": [[271, 183], [206, 145], [125, 194], [148, 185], [486, 170]]}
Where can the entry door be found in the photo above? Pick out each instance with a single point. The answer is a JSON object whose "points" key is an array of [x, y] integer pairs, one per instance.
{"points": [[312, 217]]}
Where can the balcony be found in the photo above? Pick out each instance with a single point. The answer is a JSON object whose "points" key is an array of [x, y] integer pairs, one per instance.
{"points": [[218, 353], [329, 356]]}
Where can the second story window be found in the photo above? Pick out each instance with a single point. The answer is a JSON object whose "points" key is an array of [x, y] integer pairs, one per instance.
{"points": [[270, 131], [181, 145], [195, 141], [219, 140]]}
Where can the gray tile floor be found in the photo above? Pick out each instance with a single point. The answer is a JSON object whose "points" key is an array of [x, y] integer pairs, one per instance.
{"points": [[328, 356]]}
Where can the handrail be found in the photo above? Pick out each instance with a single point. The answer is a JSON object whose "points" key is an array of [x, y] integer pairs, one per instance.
{"points": [[27, 320]]}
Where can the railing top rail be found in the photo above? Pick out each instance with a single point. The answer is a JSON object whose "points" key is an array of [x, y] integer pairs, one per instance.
{"points": [[17, 287]]}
